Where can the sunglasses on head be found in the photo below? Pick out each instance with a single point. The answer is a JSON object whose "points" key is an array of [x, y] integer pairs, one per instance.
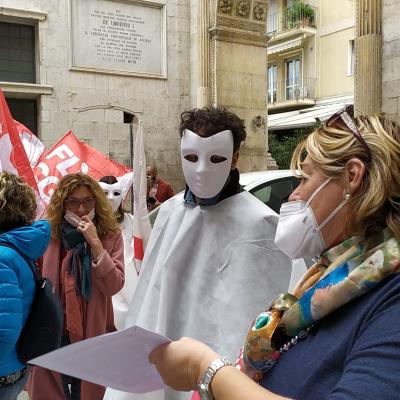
{"points": [[346, 116]]}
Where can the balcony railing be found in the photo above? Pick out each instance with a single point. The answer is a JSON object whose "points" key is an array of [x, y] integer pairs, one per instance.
{"points": [[299, 16], [291, 89]]}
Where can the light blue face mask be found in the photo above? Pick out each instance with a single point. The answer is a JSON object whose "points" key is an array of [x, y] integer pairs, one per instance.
{"points": [[298, 234]]}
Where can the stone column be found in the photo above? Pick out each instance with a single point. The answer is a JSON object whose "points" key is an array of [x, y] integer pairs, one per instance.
{"points": [[368, 82], [238, 71], [203, 24], [391, 58]]}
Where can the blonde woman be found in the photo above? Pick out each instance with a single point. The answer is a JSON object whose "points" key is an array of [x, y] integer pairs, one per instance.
{"points": [[17, 283], [337, 336], [85, 263]]}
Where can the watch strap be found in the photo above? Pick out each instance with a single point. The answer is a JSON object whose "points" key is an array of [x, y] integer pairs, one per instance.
{"points": [[204, 385]]}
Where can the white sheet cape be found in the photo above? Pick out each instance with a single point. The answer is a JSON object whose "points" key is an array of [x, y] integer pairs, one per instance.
{"points": [[208, 271], [123, 298]]}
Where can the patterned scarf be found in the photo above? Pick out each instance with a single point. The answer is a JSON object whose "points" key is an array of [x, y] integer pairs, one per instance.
{"points": [[342, 274]]}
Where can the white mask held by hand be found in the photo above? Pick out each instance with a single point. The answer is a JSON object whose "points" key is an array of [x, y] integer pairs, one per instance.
{"points": [[113, 193], [298, 233], [206, 162]]}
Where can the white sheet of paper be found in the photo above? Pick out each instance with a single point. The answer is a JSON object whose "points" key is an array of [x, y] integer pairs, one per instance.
{"points": [[118, 360]]}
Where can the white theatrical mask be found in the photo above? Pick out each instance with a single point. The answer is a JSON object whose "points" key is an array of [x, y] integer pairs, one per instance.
{"points": [[206, 162], [122, 299], [114, 193]]}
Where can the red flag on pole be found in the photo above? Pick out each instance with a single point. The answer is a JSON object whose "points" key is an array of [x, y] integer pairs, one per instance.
{"points": [[141, 222], [13, 157], [69, 155]]}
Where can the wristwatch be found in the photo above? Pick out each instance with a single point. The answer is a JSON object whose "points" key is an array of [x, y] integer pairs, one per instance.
{"points": [[203, 387]]}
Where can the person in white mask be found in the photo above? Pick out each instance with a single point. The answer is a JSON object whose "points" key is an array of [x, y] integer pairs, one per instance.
{"points": [[209, 248], [113, 190]]}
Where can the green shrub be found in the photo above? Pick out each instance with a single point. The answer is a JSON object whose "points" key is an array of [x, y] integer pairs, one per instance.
{"points": [[282, 144]]}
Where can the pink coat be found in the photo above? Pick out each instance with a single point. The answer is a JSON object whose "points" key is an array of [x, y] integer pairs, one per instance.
{"points": [[107, 280]]}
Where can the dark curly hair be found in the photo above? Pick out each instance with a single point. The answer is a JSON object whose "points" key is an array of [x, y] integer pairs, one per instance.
{"points": [[207, 122], [17, 202]]}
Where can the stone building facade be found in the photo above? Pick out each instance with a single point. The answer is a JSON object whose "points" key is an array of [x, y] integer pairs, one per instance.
{"points": [[378, 57], [92, 104], [391, 57], [210, 52]]}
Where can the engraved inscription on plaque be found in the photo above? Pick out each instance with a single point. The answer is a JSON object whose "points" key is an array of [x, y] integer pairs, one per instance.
{"points": [[118, 37]]}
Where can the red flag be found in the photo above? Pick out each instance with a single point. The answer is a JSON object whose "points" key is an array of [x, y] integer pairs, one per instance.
{"points": [[13, 157], [34, 148], [69, 155]]}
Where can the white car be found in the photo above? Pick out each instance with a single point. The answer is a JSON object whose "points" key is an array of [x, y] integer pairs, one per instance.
{"points": [[271, 187]]}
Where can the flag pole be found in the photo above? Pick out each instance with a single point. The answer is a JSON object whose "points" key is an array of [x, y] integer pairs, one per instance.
{"points": [[131, 157], [141, 222]]}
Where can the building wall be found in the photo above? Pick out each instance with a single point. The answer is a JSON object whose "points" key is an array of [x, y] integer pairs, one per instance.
{"points": [[241, 88], [333, 13], [336, 27], [391, 57], [334, 76], [325, 55], [158, 102]]}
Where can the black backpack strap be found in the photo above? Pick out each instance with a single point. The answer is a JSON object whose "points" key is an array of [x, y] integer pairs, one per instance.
{"points": [[30, 263]]}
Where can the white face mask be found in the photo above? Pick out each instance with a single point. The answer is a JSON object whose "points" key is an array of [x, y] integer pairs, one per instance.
{"points": [[204, 175], [298, 233], [74, 219], [114, 193]]}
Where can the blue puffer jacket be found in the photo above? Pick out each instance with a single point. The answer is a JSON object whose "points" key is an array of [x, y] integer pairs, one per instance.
{"points": [[17, 287]]}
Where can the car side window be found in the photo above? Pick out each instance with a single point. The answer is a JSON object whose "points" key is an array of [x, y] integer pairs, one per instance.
{"points": [[273, 194], [263, 193]]}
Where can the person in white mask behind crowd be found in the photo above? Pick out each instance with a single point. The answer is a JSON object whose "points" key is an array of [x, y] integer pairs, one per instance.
{"points": [[113, 190], [209, 249], [337, 335]]}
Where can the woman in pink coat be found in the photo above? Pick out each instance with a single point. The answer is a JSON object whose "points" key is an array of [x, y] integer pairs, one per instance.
{"points": [[85, 263]]}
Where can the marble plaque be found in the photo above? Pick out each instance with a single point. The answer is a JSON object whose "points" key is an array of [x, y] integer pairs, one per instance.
{"points": [[119, 37]]}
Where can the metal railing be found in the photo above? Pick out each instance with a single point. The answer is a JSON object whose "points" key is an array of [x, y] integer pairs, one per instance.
{"points": [[301, 15], [291, 89]]}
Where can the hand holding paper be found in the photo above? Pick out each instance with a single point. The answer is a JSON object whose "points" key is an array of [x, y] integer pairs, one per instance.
{"points": [[119, 360]]}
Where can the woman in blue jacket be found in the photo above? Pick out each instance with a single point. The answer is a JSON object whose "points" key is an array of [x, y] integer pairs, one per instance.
{"points": [[17, 283]]}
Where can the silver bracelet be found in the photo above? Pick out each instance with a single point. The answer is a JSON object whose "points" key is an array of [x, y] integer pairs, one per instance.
{"points": [[204, 385]]}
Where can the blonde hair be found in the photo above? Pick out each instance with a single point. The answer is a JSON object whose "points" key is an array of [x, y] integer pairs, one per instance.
{"points": [[376, 203], [106, 222], [17, 202]]}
